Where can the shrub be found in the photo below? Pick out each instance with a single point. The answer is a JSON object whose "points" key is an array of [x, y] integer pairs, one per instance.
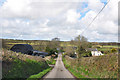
{"points": [[106, 52], [102, 51], [51, 61], [113, 50], [90, 54], [51, 51], [72, 55], [87, 54]]}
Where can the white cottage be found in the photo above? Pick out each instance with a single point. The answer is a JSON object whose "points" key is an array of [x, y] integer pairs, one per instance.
{"points": [[95, 52]]}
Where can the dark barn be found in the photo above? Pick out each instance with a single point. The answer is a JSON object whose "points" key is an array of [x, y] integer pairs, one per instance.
{"points": [[23, 48], [27, 49]]}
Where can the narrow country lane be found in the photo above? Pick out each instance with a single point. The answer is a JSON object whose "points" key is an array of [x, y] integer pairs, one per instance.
{"points": [[59, 71]]}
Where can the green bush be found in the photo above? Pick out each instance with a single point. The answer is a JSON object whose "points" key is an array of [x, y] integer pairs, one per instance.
{"points": [[87, 54], [90, 54], [51, 61], [106, 52], [51, 51], [113, 50], [72, 55]]}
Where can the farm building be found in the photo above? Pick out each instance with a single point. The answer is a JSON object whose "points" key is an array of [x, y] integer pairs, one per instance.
{"points": [[94, 52], [39, 53], [23, 48], [27, 49]]}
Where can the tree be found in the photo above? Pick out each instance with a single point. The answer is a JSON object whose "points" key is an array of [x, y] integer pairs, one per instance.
{"points": [[51, 50], [52, 46], [56, 39], [82, 44], [3, 42], [55, 43], [72, 42], [69, 51]]}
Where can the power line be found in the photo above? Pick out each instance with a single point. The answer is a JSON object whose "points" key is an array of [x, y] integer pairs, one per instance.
{"points": [[95, 17]]}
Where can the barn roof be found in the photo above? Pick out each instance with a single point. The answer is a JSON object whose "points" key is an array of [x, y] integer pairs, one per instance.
{"points": [[26, 49], [23, 48]]}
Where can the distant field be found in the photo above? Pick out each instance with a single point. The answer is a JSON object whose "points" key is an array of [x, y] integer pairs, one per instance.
{"points": [[106, 48], [113, 46], [23, 43], [66, 45], [36, 44], [103, 49], [41, 45], [16, 43]]}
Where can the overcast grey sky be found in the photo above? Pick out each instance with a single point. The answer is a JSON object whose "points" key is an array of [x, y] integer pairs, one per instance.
{"points": [[66, 19]]}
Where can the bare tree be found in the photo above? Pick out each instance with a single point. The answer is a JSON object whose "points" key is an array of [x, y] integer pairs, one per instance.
{"points": [[81, 43]]}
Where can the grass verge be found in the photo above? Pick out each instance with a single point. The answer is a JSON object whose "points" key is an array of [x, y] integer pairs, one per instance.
{"points": [[71, 69], [39, 75], [51, 61], [93, 67]]}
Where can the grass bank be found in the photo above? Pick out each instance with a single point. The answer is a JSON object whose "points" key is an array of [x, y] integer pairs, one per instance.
{"points": [[93, 67], [17, 65], [51, 61], [39, 75]]}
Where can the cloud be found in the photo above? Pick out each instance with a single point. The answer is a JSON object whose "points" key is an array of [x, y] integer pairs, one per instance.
{"points": [[95, 5], [72, 16], [106, 24], [40, 19], [34, 9]]}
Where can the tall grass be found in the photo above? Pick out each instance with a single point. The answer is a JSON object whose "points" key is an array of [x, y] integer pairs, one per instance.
{"points": [[16, 67], [93, 67]]}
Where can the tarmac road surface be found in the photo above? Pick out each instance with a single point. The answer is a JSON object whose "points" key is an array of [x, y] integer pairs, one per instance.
{"points": [[59, 71]]}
